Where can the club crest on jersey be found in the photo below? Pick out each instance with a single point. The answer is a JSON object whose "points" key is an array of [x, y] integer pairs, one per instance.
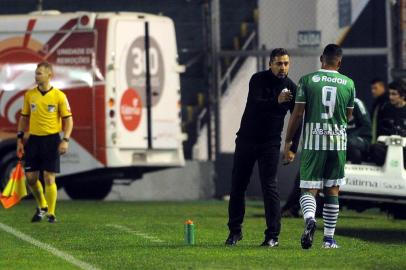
{"points": [[51, 108], [316, 78], [33, 107]]}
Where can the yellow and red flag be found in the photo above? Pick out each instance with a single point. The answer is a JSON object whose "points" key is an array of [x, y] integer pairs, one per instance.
{"points": [[15, 189]]}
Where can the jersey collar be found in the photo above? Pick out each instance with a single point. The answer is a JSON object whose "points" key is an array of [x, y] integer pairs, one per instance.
{"points": [[44, 93], [327, 70]]}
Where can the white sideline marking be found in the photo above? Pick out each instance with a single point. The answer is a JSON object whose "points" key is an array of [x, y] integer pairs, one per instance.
{"points": [[47, 247], [137, 233]]}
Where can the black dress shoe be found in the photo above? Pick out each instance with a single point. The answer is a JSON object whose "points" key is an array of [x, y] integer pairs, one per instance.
{"points": [[271, 242], [233, 238]]}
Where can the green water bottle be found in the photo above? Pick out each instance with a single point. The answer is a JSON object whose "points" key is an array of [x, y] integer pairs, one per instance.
{"points": [[189, 232]]}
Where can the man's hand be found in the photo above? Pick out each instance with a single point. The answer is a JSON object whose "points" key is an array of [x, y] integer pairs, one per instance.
{"points": [[288, 156], [285, 96], [63, 147], [20, 148]]}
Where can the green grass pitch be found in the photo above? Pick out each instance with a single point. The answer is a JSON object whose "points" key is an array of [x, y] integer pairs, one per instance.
{"points": [[138, 235]]}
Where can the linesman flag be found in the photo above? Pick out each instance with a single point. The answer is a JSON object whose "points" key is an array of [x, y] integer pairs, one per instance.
{"points": [[15, 189]]}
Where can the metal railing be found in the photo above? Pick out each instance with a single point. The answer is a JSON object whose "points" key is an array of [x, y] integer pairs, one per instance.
{"points": [[227, 77]]}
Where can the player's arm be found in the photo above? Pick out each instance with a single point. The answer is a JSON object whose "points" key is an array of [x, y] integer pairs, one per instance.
{"points": [[67, 127], [296, 137], [67, 124], [295, 121], [23, 124], [293, 127], [349, 113], [255, 94], [351, 103]]}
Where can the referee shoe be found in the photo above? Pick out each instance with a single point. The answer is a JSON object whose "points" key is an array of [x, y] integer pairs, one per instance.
{"points": [[39, 214], [51, 218]]}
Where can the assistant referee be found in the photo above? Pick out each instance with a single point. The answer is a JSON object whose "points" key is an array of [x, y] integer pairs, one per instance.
{"points": [[45, 113]]}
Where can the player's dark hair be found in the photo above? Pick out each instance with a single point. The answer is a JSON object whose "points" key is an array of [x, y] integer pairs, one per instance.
{"points": [[277, 52], [46, 65], [377, 80], [332, 53], [399, 86]]}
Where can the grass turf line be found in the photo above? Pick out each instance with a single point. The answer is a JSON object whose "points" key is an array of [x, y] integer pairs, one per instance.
{"points": [[369, 240]]}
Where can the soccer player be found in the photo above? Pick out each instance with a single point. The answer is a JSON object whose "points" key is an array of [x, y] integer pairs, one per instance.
{"points": [[326, 98], [45, 111]]}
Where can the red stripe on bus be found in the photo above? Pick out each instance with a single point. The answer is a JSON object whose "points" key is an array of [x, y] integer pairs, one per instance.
{"points": [[27, 36]]}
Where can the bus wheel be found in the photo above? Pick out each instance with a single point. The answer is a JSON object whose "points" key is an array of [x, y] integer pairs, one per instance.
{"points": [[399, 211], [88, 190]]}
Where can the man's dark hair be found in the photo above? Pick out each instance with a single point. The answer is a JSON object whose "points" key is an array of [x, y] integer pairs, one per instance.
{"points": [[332, 53], [377, 80], [46, 65], [277, 52], [399, 86]]}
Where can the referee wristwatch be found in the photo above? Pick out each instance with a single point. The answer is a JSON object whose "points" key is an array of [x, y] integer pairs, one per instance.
{"points": [[65, 139], [20, 135]]}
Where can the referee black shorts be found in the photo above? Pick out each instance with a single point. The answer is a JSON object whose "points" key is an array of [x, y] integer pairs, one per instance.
{"points": [[42, 153]]}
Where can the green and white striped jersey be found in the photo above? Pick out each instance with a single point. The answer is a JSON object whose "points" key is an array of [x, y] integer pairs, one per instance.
{"points": [[327, 95]]}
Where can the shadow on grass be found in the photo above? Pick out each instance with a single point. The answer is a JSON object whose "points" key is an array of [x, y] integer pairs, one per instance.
{"points": [[387, 236], [255, 215], [209, 246], [360, 216]]}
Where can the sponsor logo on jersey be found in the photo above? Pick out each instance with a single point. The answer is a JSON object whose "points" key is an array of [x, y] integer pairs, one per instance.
{"points": [[336, 132], [51, 108], [33, 107], [333, 80], [316, 78]]}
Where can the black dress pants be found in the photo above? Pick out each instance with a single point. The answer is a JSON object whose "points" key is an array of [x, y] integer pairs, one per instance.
{"points": [[245, 156]]}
